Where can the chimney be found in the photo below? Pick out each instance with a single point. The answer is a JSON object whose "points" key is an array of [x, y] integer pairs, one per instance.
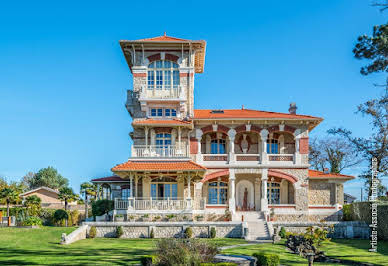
{"points": [[292, 108], [326, 170]]}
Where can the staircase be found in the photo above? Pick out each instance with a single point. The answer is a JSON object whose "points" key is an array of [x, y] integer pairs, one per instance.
{"points": [[257, 226]]}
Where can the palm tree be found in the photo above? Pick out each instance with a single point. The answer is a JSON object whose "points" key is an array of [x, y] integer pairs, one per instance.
{"points": [[87, 189], [32, 203], [67, 195], [9, 195]]}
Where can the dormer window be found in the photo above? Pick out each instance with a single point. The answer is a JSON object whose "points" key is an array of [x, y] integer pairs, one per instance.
{"points": [[163, 75]]}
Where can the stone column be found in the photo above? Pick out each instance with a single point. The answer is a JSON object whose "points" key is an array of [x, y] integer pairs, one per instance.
{"points": [[180, 186], [179, 138], [257, 194], [264, 155], [135, 186], [231, 135], [232, 200], [146, 186], [188, 199], [198, 136], [98, 192], [131, 184], [264, 199], [146, 136], [297, 158]]}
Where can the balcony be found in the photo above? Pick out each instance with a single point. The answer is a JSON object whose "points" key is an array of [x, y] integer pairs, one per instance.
{"points": [[175, 94], [157, 204], [157, 151]]}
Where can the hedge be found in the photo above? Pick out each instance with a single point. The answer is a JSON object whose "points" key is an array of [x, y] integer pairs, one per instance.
{"points": [[267, 259]]}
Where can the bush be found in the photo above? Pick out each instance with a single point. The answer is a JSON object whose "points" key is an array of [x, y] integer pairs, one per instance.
{"points": [[184, 251], [101, 207], [219, 264], [47, 216], [282, 232], [149, 260], [188, 232], [119, 231], [32, 220], [60, 216], [267, 259], [92, 232], [213, 232], [347, 212], [73, 217], [152, 233]]}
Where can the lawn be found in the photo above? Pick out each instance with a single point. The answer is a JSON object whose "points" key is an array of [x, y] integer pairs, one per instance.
{"points": [[344, 249], [41, 246]]}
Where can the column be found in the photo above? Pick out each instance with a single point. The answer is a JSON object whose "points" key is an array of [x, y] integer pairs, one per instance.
{"points": [[146, 136], [231, 135], [188, 199], [264, 199], [131, 184], [198, 135], [98, 192], [257, 193], [264, 155], [232, 200], [297, 159], [179, 138], [135, 186]]}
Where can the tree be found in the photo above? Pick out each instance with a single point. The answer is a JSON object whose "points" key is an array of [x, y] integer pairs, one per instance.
{"points": [[374, 48], [47, 177], [67, 195], [87, 189], [32, 203], [376, 146], [27, 180], [333, 153], [8, 195]]}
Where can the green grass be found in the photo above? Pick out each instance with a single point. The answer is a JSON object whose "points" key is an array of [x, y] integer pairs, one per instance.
{"points": [[19, 246], [349, 250], [41, 246]]}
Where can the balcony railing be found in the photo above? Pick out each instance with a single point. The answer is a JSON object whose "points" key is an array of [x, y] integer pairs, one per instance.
{"points": [[157, 151], [172, 93], [160, 204], [281, 157], [248, 157]]}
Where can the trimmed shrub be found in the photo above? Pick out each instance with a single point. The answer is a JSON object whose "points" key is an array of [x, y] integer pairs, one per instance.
{"points": [[119, 231], [282, 232], [267, 259], [31, 221], [149, 260], [152, 233], [47, 216], [101, 207], [92, 232], [213, 232], [60, 216], [347, 212], [73, 217], [188, 232]]}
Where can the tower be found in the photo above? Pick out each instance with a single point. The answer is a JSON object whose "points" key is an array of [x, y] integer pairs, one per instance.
{"points": [[163, 70]]}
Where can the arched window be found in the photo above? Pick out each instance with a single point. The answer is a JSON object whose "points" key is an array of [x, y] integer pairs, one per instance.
{"points": [[105, 191], [218, 146], [273, 192], [217, 192], [163, 74]]}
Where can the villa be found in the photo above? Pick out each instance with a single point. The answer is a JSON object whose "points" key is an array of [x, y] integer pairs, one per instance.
{"points": [[206, 163]]}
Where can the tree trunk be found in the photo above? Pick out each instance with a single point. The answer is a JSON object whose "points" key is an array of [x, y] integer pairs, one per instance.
{"points": [[66, 222], [7, 208], [86, 206]]}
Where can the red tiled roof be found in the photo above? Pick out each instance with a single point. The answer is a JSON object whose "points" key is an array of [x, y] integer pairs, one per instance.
{"points": [[320, 174], [158, 166], [108, 178], [165, 38], [161, 122], [247, 113]]}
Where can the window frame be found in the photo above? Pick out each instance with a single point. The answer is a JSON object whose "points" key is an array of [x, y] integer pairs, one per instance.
{"points": [[163, 75], [272, 185], [219, 190]]}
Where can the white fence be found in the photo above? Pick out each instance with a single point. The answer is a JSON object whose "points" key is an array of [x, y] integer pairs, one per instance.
{"points": [[160, 204], [167, 151]]}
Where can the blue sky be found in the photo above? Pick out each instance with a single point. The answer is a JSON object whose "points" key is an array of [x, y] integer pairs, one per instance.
{"points": [[63, 78]]}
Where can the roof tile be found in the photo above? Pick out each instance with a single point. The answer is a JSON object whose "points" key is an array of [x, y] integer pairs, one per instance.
{"points": [[320, 174], [158, 166]]}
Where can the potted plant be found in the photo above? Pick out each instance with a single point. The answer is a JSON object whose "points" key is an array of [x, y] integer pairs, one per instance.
{"points": [[199, 218], [228, 215], [119, 218], [131, 218], [170, 217], [156, 218], [145, 217]]}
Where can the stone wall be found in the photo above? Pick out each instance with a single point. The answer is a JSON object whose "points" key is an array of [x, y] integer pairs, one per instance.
{"points": [[320, 192], [341, 229], [167, 230]]}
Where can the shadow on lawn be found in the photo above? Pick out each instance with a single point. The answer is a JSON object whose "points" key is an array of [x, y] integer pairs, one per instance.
{"points": [[72, 256]]}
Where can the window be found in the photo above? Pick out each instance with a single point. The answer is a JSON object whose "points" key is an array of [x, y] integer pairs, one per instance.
{"points": [[273, 193], [105, 191], [160, 112], [169, 112], [217, 192], [163, 142], [163, 74], [164, 188], [125, 193], [218, 146], [156, 112], [272, 146]]}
